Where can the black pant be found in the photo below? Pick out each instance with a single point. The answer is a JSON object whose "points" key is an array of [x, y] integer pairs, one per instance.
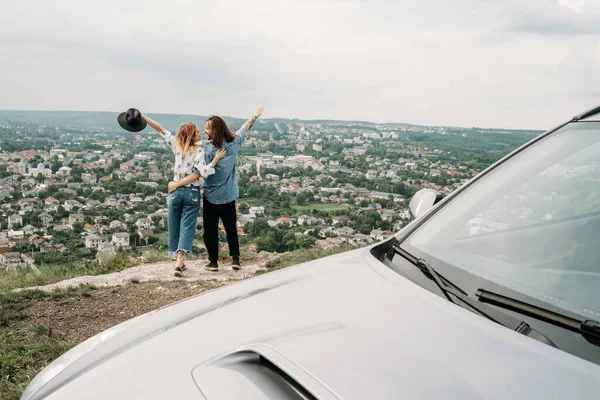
{"points": [[210, 216]]}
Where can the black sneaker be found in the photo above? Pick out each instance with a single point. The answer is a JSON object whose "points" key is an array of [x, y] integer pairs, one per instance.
{"points": [[235, 263], [211, 266]]}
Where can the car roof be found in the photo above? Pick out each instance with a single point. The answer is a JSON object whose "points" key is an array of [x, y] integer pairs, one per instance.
{"points": [[589, 115]]}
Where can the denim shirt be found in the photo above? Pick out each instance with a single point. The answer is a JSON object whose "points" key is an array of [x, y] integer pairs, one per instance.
{"points": [[222, 186]]}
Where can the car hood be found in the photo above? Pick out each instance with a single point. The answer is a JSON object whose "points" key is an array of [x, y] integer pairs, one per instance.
{"points": [[344, 326]]}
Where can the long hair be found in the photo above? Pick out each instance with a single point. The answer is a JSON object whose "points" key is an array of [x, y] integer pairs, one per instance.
{"points": [[220, 131], [185, 137]]}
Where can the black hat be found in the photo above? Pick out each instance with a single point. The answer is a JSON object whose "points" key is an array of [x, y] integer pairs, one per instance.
{"points": [[132, 120]]}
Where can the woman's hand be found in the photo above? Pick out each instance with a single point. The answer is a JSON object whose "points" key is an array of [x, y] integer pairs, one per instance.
{"points": [[219, 155], [258, 111], [172, 187], [248, 124]]}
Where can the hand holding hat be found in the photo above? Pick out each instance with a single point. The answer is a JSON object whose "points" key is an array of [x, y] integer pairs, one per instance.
{"points": [[131, 120]]}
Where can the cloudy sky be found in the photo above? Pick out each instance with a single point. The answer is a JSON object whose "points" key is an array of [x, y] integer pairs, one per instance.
{"points": [[496, 63]]}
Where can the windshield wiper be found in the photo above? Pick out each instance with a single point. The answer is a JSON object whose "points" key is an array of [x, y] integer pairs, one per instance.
{"points": [[588, 328], [428, 270], [445, 285], [466, 301]]}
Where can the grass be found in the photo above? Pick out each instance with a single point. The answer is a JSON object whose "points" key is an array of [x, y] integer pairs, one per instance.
{"points": [[318, 206], [153, 255], [22, 356], [24, 353], [52, 273], [305, 255], [163, 238], [13, 303]]}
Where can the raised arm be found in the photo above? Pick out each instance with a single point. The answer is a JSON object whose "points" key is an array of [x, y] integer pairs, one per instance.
{"points": [[248, 124], [159, 128], [193, 177]]}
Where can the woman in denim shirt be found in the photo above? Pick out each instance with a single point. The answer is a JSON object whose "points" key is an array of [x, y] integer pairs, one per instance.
{"points": [[184, 200], [221, 189]]}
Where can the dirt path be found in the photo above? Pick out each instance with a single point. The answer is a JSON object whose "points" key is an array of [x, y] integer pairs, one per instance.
{"points": [[163, 272]]}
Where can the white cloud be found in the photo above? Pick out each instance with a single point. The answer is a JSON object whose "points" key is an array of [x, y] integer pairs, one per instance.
{"points": [[459, 62]]}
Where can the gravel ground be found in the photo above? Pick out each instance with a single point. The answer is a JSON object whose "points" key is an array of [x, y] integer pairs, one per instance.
{"points": [[113, 298], [164, 272], [79, 317]]}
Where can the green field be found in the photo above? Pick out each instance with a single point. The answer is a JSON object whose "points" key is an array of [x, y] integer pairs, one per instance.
{"points": [[318, 206], [163, 238]]}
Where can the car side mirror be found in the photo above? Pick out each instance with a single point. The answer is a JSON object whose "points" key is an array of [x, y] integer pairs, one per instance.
{"points": [[423, 201]]}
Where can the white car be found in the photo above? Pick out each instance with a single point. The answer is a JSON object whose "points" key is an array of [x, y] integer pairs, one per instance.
{"points": [[490, 293]]}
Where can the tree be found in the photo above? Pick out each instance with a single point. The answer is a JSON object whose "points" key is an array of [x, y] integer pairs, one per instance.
{"points": [[132, 229], [244, 208], [269, 241], [305, 242], [257, 228], [61, 212], [55, 164], [301, 199], [156, 221], [289, 241], [77, 227]]}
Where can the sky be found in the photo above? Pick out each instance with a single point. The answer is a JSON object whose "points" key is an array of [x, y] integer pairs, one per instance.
{"points": [[497, 63]]}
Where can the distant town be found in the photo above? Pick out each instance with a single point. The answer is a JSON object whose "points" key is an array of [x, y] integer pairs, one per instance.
{"points": [[74, 190]]}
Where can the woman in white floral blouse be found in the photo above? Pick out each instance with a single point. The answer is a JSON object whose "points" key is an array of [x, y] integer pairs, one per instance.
{"points": [[184, 200]]}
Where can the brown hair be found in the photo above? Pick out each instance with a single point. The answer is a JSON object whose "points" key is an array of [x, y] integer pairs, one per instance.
{"points": [[220, 131], [185, 137]]}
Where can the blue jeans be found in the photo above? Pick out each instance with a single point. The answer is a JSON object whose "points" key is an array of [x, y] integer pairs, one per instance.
{"points": [[184, 206]]}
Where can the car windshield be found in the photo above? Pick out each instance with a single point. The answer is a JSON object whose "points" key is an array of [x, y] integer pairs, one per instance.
{"points": [[531, 225]]}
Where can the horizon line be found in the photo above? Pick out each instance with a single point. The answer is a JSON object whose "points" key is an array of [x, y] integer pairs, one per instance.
{"points": [[286, 118]]}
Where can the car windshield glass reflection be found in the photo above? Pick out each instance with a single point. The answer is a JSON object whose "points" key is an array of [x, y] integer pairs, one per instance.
{"points": [[531, 225]]}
